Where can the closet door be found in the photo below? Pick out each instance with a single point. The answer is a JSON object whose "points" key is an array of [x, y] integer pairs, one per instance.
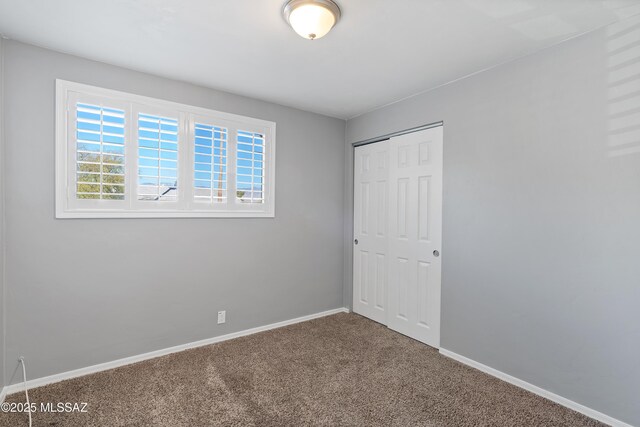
{"points": [[371, 206], [415, 235]]}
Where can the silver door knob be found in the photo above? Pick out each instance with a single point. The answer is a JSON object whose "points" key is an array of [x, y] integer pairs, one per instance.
{"points": [[355, 241], [436, 253]]}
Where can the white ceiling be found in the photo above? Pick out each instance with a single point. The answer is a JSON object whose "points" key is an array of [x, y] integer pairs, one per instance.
{"points": [[380, 52]]}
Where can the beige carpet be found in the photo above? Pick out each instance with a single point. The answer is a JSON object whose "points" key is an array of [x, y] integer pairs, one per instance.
{"points": [[342, 370]]}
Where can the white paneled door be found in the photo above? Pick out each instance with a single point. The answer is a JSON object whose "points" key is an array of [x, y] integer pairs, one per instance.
{"points": [[398, 233], [370, 222]]}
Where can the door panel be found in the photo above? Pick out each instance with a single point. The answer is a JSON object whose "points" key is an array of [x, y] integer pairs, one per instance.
{"points": [[415, 222], [370, 270]]}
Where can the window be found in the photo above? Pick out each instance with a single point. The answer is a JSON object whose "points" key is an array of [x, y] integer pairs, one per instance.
{"points": [[249, 167], [99, 143], [120, 155], [210, 164], [157, 158]]}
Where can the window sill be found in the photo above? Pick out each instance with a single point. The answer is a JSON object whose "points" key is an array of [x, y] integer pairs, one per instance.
{"points": [[90, 214]]}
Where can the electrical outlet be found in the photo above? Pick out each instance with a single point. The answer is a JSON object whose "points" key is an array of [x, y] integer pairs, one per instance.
{"points": [[222, 317]]}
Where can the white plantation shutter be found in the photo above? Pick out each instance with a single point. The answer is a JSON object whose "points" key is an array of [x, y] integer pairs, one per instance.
{"points": [[120, 155], [157, 158], [100, 150], [210, 163], [250, 167]]}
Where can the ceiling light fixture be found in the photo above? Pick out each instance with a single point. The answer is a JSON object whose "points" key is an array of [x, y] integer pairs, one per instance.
{"points": [[311, 19]]}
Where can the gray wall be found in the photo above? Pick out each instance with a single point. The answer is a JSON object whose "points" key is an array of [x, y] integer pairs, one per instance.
{"points": [[541, 271], [82, 292]]}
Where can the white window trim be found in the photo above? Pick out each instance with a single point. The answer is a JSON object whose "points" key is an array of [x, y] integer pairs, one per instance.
{"points": [[66, 203]]}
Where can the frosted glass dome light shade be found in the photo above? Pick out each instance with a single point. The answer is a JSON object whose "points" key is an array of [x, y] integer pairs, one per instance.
{"points": [[311, 19]]}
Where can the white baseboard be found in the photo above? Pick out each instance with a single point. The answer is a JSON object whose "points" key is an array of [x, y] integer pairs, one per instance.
{"points": [[39, 382], [536, 390]]}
